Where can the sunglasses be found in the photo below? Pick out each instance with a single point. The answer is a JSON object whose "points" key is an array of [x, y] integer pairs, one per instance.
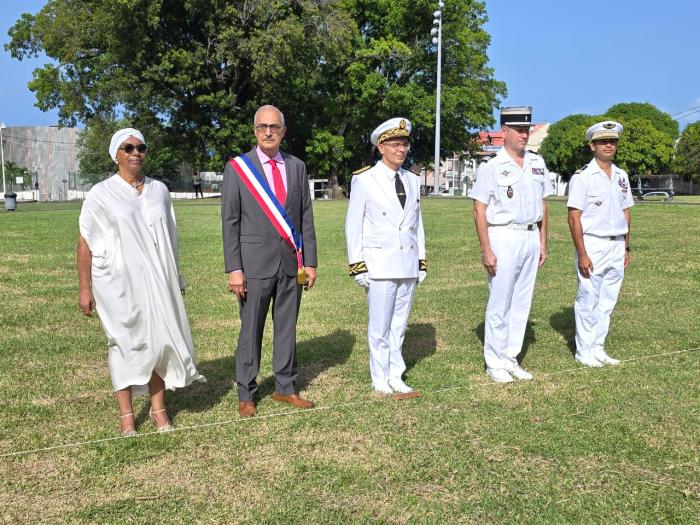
{"points": [[607, 141], [129, 148]]}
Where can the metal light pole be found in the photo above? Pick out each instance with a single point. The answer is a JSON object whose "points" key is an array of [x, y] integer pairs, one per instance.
{"points": [[437, 39], [2, 157]]}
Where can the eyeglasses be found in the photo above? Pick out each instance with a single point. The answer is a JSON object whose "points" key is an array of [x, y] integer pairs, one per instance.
{"points": [[274, 128], [129, 148], [614, 142], [397, 145]]}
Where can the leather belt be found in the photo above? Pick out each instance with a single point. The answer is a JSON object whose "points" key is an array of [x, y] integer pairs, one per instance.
{"points": [[514, 226], [606, 237]]}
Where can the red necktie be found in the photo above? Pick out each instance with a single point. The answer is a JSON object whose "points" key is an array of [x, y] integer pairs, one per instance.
{"points": [[280, 192]]}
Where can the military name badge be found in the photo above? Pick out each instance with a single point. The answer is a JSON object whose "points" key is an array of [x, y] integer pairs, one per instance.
{"points": [[538, 171], [623, 185]]}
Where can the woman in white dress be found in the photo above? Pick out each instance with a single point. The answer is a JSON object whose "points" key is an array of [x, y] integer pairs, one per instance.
{"points": [[128, 271]]}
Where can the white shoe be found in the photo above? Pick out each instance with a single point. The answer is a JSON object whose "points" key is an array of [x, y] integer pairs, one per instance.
{"points": [[399, 386], [383, 389], [499, 375], [607, 360], [588, 361], [520, 373]]}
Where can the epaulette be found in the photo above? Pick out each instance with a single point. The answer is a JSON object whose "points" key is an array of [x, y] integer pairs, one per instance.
{"points": [[357, 172], [416, 174]]}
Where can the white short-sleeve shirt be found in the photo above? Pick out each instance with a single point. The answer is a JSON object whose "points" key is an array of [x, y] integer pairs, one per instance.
{"points": [[601, 199], [512, 194]]}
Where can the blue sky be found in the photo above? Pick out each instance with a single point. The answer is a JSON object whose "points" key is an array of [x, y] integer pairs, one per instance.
{"points": [[561, 57]]}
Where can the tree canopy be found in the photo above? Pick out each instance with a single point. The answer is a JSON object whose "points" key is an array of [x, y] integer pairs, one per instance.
{"points": [[627, 111], [198, 69], [646, 144], [161, 163], [687, 157], [565, 148]]}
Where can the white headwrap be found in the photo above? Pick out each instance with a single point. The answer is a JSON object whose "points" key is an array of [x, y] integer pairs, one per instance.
{"points": [[119, 137]]}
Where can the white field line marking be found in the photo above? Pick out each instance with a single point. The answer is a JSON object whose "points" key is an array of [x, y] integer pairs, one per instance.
{"points": [[315, 409]]}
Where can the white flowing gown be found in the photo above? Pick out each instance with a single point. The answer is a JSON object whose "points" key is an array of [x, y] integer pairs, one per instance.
{"points": [[137, 285]]}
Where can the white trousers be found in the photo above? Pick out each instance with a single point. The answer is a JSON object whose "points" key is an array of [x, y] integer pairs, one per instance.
{"points": [[597, 295], [389, 302], [510, 294]]}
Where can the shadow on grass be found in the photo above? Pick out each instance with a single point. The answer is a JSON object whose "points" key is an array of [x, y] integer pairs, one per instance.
{"points": [[199, 397], [528, 339], [563, 322], [315, 357], [420, 342]]}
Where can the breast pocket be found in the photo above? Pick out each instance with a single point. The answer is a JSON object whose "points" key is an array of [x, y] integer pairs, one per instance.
{"points": [[595, 200], [508, 191]]}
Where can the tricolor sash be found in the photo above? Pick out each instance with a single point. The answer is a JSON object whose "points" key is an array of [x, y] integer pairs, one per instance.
{"points": [[271, 207]]}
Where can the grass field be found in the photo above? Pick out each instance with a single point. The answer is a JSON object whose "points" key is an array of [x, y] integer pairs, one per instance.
{"points": [[611, 445]]}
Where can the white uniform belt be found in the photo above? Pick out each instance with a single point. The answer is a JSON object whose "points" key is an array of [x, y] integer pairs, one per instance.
{"points": [[514, 226], [607, 237]]}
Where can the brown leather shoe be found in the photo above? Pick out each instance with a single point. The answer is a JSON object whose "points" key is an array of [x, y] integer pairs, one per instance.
{"points": [[293, 399], [407, 395], [246, 408]]}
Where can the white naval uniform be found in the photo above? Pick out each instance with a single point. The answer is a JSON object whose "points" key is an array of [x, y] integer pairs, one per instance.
{"points": [[390, 240], [602, 200], [517, 249]]}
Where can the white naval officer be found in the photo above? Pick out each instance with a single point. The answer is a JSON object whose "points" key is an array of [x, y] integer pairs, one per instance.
{"points": [[386, 250], [511, 222], [600, 197]]}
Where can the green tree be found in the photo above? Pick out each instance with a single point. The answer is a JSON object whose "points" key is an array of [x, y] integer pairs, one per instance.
{"points": [[565, 149], [197, 69], [644, 149], [646, 146], [12, 171], [162, 161], [628, 111], [687, 156]]}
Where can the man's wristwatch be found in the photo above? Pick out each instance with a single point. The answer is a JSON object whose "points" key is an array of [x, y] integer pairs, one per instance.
{"points": [[627, 249]]}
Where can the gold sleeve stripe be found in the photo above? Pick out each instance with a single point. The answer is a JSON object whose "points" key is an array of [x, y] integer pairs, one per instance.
{"points": [[358, 268], [422, 265]]}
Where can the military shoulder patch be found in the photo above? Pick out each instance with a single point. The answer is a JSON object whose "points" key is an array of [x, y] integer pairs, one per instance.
{"points": [[357, 172]]}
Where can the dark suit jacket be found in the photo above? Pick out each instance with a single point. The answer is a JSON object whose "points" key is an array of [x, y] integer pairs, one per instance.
{"points": [[251, 243]]}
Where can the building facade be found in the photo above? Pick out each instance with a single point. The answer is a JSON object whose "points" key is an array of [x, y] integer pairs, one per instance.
{"points": [[48, 158]]}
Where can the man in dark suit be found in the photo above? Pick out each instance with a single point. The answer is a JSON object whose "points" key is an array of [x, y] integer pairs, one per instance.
{"points": [[262, 266]]}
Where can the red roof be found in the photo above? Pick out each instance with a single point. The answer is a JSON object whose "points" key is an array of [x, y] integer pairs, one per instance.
{"points": [[490, 138], [492, 141]]}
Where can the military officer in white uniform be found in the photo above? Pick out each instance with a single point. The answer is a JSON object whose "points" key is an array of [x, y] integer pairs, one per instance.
{"points": [[511, 222], [599, 219], [386, 250]]}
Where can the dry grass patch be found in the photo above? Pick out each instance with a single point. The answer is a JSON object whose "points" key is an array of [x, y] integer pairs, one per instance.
{"points": [[40, 488]]}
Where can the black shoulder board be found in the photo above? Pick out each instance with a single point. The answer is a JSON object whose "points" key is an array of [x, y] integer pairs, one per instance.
{"points": [[357, 172]]}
